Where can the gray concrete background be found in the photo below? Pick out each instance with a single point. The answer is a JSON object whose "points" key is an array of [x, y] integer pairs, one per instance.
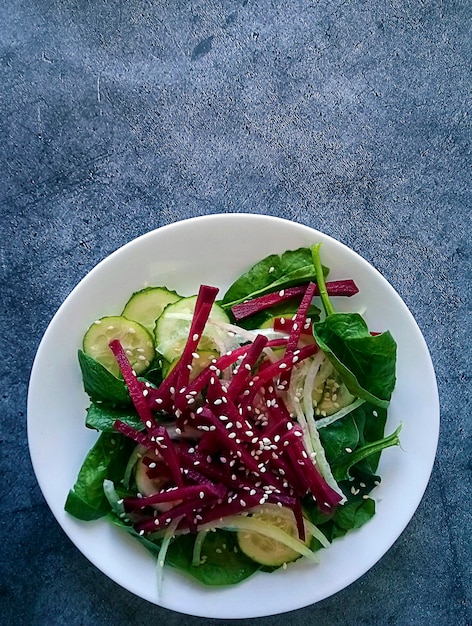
{"points": [[351, 116]]}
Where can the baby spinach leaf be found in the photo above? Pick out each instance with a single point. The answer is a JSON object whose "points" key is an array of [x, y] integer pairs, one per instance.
{"points": [[222, 561], [352, 515], [365, 362], [339, 436], [293, 267], [102, 417], [285, 309], [341, 469], [106, 459], [100, 384]]}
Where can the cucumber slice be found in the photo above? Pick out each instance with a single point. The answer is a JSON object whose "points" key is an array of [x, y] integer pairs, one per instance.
{"points": [[145, 306], [135, 339], [266, 550], [173, 326], [330, 394]]}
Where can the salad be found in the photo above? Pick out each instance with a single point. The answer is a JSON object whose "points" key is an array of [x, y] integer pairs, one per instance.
{"points": [[238, 433]]}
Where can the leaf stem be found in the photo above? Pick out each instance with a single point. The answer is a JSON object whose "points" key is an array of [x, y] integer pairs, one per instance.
{"points": [[328, 307]]}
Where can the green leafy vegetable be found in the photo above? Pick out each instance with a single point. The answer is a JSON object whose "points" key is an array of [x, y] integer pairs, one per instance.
{"points": [[274, 272], [107, 458], [349, 516], [342, 469], [222, 563], [366, 363], [100, 384], [102, 417], [285, 309]]}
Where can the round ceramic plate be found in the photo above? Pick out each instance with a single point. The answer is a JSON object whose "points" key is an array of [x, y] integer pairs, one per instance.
{"points": [[215, 250]]}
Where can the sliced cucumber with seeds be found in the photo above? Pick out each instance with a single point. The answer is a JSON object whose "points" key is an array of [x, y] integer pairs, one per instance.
{"points": [[145, 306], [265, 548], [173, 326], [330, 394], [135, 339]]}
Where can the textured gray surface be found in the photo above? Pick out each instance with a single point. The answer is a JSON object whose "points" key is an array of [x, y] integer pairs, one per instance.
{"points": [[349, 116]]}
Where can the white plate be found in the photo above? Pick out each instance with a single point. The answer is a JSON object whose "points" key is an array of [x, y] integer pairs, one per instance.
{"points": [[215, 250]]}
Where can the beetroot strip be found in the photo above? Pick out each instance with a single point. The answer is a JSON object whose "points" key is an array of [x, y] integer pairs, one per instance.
{"points": [[335, 288], [134, 386], [295, 333], [172, 495]]}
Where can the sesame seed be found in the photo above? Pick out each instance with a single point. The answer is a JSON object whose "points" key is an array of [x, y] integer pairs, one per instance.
{"points": [[348, 450], [196, 337]]}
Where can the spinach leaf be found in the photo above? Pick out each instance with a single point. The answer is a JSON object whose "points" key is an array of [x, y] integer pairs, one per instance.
{"points": [[366, 363], [341, 470], [102, 417], [356, 441], [293, 267], [358, 510], [100, 384], [349, 516], [222, 561], [284, 309], [106, 459], [151, 543]]}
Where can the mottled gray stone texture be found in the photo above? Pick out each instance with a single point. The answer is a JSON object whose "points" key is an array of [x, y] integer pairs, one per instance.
{"points": [[350, 116]]}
